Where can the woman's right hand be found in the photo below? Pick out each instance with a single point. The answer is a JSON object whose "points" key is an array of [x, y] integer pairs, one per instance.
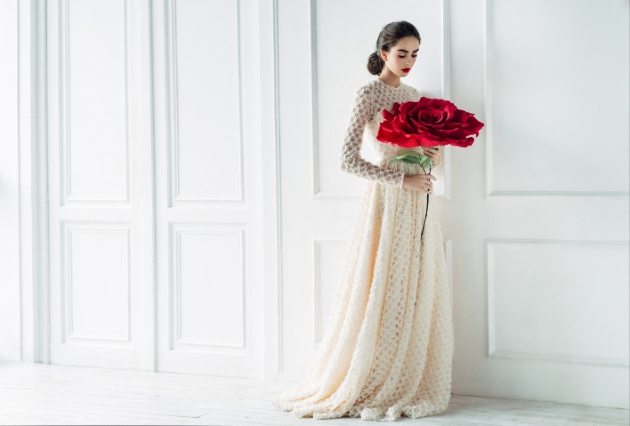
{"points": [[419, 182]]}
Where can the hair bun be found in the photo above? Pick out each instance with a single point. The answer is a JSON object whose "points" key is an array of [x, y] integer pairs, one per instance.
{"points": [[375, 64]]}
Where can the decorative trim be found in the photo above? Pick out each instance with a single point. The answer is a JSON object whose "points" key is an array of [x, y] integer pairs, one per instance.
{"points": [[488, 54], [33, 194], [175, 315], [65, 145], [491, 318], [66, 282], [172, 95]]}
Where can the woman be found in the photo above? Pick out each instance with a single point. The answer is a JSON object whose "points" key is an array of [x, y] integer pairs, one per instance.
{"points": [[388, 346]]}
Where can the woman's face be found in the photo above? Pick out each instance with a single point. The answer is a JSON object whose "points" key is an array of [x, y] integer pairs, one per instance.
{"points": [[402, 56]]}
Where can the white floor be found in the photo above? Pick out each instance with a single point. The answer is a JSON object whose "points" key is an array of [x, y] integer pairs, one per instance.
{"points": [[44, 394]]}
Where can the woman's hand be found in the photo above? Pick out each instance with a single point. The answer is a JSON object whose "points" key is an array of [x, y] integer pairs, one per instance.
{"points": [[419, 182], [435, 153]]}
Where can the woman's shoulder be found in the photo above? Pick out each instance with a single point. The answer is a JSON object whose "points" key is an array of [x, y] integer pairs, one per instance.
{"points": [[376, 84], [375, 89], [368, 87], [366, 93]]}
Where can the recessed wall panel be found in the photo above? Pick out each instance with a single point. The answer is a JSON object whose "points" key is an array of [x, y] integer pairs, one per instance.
{"points": [[566, 301], [97, 283], [93, 94], [205, 90], [558, 95], [209, 287]]}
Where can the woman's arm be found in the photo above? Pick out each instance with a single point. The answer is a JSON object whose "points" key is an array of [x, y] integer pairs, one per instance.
{"points": [[351, 160]]}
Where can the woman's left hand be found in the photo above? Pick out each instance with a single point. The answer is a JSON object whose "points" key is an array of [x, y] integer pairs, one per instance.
{"points": [[435, 153]]}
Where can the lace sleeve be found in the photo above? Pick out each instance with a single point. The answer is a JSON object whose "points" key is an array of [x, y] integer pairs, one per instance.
{"points": [[351, 160]]}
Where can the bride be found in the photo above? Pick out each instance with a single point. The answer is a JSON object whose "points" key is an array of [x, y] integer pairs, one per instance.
{"points": [[388, 347]]}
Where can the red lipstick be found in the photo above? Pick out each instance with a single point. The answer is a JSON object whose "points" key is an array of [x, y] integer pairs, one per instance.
{"points": [[406, 69]]}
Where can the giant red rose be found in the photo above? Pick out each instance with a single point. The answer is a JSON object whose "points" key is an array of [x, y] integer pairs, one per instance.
{"points": [[428, 122]]}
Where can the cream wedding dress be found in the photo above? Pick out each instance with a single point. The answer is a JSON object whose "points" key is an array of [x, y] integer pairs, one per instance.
{"points": [[388, 346]]}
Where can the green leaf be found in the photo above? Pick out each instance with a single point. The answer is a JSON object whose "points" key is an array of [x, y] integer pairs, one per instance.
{"points": [[413, 157]]}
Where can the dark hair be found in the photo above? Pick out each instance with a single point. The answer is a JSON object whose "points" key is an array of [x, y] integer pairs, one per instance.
{"points": [[387, 38]]}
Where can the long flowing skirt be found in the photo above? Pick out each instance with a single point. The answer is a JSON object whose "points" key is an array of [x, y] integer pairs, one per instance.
{"points": [[388, 346]]}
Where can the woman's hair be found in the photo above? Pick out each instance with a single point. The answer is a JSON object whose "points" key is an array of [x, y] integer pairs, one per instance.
{"points": [[387, 38]]}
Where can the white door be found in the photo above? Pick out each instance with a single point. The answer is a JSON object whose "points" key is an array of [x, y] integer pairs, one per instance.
{"points": [[99, 188], [154, 163], [207, 193], [536, 210]]}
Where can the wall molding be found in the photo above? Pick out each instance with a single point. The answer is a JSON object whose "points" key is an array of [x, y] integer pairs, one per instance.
{"points": [[65, 141], [493, 352], [488, 107], [176, 230], [174, 195]]}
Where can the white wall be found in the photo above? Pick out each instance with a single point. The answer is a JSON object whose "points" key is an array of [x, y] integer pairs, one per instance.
{"points": [[540, 206], [188, 152], [142, 140], [536, 220], [9, 185]]}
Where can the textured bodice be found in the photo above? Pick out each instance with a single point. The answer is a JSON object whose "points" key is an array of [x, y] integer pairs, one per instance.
{"points": [[370, 100], [384, 97]]}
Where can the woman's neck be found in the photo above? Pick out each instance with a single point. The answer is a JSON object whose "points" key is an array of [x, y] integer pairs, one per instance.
{"points": [[390, 79]]}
